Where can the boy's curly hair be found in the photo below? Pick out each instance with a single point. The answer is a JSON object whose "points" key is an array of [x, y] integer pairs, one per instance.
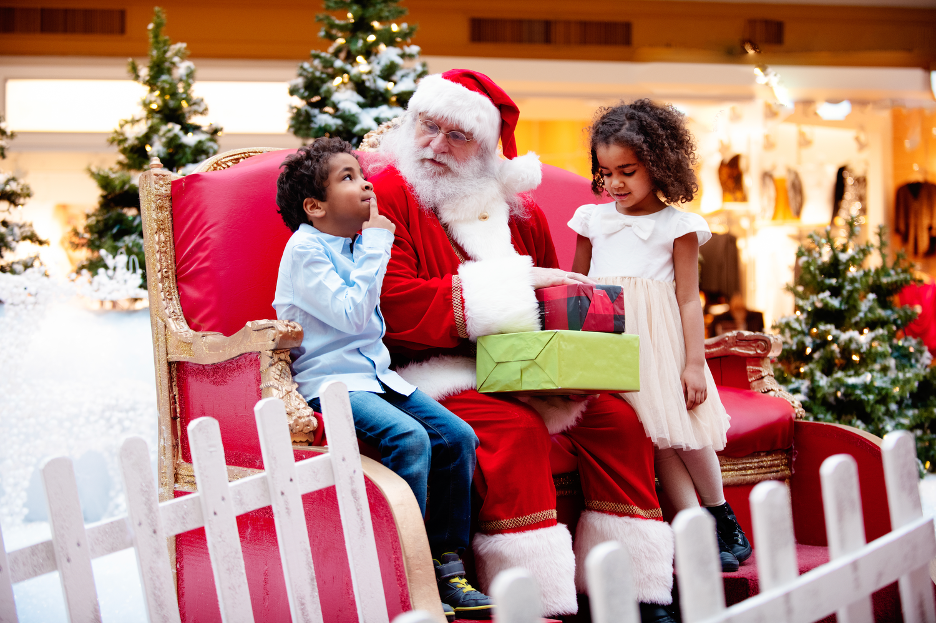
{"points": [[305, 174], [659, 137]]}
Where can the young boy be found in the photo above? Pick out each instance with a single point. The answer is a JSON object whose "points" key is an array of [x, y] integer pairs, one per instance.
{"points": [[329, 282]]}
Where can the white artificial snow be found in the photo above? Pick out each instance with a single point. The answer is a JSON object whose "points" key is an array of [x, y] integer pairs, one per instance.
{"points": [[74, 382]]}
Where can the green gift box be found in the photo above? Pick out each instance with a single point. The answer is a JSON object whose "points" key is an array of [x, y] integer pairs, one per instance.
{"points": [[558, 362]]}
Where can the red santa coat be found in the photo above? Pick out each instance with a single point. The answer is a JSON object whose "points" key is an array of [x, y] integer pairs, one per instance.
{"points": [[432, 302]]}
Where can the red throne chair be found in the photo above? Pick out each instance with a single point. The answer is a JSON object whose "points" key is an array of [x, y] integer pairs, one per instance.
{"points": [[213, 243]]}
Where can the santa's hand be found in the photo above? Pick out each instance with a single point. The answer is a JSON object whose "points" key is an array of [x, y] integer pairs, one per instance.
{"points": [[377, 220], [543, 278]]}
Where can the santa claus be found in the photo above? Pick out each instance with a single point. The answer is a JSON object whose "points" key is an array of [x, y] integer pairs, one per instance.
{"points": [[470, 249]]}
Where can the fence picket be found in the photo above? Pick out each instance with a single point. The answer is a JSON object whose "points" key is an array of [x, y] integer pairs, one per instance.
{"points": [[288, 513], [221, 534], [516, 597], [772, 517], [70, 541], [903, 498], [610, 579], [149, 539], [7, 601], [841, 502], [352, 504], [698, 567]]}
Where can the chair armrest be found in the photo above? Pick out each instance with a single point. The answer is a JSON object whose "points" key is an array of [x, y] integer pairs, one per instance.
{"points": [[214, 347], [741, 359], [744, 344], [271, 340]]}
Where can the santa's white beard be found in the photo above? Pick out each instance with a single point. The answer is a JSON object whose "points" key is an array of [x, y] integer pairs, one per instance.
{"points": [[434, 186]]}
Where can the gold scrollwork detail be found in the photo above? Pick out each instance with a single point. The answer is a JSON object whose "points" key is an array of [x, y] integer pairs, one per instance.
{"points": [[743, 343], [276, 382], [230, 158]]}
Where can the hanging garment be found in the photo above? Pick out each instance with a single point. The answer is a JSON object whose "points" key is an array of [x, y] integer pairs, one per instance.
{"points": [[795, 192], [922, 298], [720, 274], [782, 211], [732, 180], [768, 202], [915, 217], [850, 198]]}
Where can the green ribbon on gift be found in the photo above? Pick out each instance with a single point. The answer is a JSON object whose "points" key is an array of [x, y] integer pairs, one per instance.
{"points": [[558, 362]]}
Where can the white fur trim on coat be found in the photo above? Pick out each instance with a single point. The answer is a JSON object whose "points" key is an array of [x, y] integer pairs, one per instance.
{"points": [[483, 240], [442, 376], [544, 553], [499, 296], [649, 542], [558, 412], [467, 109]]}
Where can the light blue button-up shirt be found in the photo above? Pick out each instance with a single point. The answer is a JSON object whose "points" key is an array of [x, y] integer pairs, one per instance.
{"points": [[334, 295]]}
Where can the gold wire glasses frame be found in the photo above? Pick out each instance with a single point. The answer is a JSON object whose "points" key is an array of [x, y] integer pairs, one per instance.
{"points": [[456, 138]]}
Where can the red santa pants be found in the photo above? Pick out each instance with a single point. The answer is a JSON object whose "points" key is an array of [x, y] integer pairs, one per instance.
{"points": [[514, 479]]}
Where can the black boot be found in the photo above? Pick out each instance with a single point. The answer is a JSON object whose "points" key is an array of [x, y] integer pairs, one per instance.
{"points": [[730, 531], [729, 563], [468, 603], [655, 613]]}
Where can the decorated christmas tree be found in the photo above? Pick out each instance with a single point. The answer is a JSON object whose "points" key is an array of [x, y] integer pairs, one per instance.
{"points": [[367, 76], [13, 194], [844, 355], [166, 127]]}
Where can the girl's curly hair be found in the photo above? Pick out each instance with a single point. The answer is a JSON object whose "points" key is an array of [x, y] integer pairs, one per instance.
{"points": [[659, 137], [305, 174]]}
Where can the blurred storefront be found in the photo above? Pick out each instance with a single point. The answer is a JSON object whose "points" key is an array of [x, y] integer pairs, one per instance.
{"points": [[833, 113]]}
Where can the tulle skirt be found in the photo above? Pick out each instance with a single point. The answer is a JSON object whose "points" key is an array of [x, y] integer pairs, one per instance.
{"points": [[651, 312]]}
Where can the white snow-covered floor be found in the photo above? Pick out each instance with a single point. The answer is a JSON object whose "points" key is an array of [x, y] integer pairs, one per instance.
{"points": [[76, 382]]}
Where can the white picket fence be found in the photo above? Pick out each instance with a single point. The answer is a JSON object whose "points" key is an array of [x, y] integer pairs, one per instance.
{"points": [[843, 586], [215, 507]]}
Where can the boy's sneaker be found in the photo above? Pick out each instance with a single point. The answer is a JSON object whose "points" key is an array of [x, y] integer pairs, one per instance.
{"points": [[730, 531], [729, 563], [468, 603], [449, 612]]}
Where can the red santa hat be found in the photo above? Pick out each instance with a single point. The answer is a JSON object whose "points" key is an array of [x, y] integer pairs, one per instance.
{"points": [[474, 103]]}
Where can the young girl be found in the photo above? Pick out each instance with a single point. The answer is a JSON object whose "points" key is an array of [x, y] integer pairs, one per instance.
{"points": [[642, 154]]}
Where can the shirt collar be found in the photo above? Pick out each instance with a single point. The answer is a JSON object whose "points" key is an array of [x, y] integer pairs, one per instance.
{"points": [[338, 244]]}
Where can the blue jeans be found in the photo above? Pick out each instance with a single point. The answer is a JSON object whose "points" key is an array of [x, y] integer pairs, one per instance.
{"points": [[431, 448]]}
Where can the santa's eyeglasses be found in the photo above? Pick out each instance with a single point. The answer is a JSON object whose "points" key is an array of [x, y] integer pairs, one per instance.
{"points": [[456, 138]]}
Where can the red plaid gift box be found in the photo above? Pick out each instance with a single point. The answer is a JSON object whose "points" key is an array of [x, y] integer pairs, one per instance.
{"points": [[582, 307]]}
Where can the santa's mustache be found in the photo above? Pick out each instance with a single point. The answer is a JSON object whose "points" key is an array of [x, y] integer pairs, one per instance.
{"points": [[448, 160]]}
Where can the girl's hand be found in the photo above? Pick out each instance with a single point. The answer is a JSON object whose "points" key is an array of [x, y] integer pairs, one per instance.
{"points": [[556, 277], [694, 388]]}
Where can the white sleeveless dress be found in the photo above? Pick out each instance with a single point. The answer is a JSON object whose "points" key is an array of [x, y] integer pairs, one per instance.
{"points": [[637, 254]]}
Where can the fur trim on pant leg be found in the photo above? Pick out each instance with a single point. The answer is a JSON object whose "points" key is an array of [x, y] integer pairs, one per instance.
{"points": [[545, 553], [649, 542], [558, 412]]}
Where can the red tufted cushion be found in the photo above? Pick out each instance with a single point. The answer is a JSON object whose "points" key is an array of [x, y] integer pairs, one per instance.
{"points": [[228, 242], [759, 422]]}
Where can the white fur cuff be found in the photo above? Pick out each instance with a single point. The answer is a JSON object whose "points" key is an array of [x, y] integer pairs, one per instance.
{"points": [[499, 296], [442, 376], [649, 542], [544, 553]]}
